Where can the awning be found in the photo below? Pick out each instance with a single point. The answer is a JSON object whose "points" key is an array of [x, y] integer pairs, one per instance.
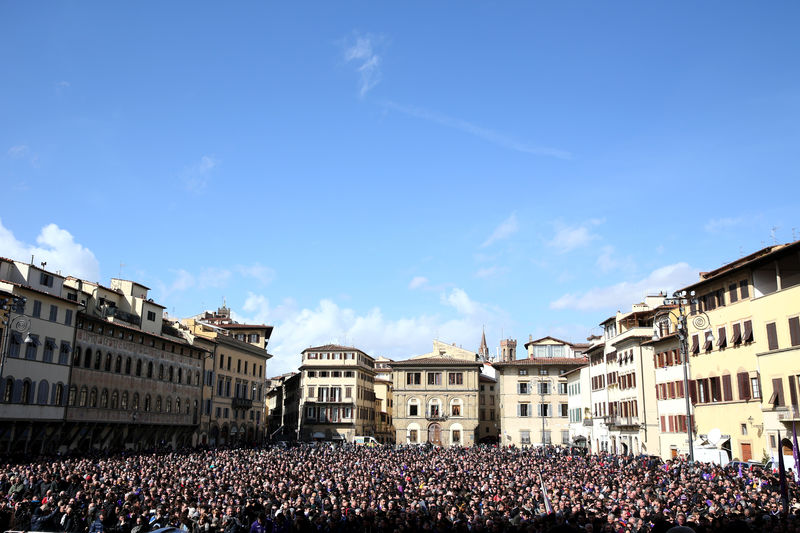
{"points": [[35, 340], [65, 347], [50, 343], [318, 435], [16, 337]]}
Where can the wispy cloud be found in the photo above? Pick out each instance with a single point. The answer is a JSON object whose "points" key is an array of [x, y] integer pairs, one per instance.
{"points": [[20, 150], [568, 238], [215, 278], [361, 52], [490, 272], [505, 230], [716, 225], [196, 177], [492, 136], [610, 259], [625, 293], [417, 282]]}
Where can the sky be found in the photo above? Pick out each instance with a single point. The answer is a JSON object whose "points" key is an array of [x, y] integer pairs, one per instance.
{"points": [[383, 174]]}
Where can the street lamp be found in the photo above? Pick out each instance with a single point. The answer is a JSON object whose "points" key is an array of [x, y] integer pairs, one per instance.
{"points": [[701, 321], [20, 324]]}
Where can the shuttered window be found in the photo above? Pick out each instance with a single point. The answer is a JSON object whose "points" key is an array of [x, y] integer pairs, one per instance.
{"points": [[793, 390], [732, 293], [695, 344], [743, 380], [693, 391], [737, 335], [723, 339], [777, 393], [744, 289], [748, 331], [794, 331], [727, 393], [772, 336]]}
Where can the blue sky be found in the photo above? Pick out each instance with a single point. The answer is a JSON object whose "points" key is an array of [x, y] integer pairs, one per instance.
{"points": [[381, 175]]}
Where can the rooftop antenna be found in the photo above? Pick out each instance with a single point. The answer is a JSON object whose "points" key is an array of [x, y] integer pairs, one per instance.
{"points": [[772, 234]]}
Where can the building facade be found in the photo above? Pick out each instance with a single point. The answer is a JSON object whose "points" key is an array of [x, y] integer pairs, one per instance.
{"points": [[337, 400], [533, 393], [436, 397]]}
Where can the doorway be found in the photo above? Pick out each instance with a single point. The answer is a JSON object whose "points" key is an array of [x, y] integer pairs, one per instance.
{"points": [[747, 452], [435, 434]]}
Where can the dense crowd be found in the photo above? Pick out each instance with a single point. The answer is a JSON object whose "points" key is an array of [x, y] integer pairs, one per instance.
{"points": [[342, 489]]}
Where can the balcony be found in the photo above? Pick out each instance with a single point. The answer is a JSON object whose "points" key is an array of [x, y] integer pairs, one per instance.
{"points": [[623, 421], [242, 403], [435, 417], [790, 413], [588, 422]]}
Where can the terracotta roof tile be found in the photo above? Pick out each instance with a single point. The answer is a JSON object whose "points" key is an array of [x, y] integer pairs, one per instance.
{"points": [[543, 361]]}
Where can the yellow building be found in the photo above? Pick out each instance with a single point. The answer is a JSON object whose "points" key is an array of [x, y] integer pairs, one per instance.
{"points": [[436, 397], [745, 363], [337, 400]]}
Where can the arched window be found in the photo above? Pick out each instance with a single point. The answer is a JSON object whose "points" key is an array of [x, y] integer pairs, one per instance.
{"points": [[186, 403], [44, 392], [161, 372], [114, 400], [25, 397], [108, 362], [8, 390], [434, 408], [58, 399], [158, 404], [76, 357], [135, 404], [413, 407], [168, 406], [97, 360], [84, 396], [73, 392], [150, 369], [178, 405], [180, 375], [171, 374], [128, 366], [104, 399], [147, 403], [87, 359], [196, 379], [93, 397], [456, 407], [138, 367], [124, 401], [118, 365]]}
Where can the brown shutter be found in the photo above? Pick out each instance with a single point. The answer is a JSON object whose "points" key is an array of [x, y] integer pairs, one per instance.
{"points": [[744, 289], [793, 390], [723, 339], [707, 344], [695, 344], [693, 391], [748, 331], [732, 294], [794, 331], [772, 336], [721, 297], [737, 335], [727, 393], [744, 385], [777, 388]]}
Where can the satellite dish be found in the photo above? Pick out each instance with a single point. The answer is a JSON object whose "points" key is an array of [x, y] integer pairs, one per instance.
{"points": [[714, 435]]}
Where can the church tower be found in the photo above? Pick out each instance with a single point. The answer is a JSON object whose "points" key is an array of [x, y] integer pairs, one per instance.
{"points": [[483, 351], [508, 350]]}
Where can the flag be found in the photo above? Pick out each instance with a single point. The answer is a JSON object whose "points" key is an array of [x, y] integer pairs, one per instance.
{"points": [[740, 470], [548, 507], [782, 476], [795, 453]]}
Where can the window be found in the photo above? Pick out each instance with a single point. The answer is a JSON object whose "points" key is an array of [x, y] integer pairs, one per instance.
{"points": [[53, 313], [523, 372], [456, 438], [455, 378], [772, 336], [84, 395], [348, 392], [562, 388], [733, 295], [744, 429], [544, 409], [434, 409], [323, 373], [563, 410], [413, 378], [68, 317], [544, 387], [63, 353], [755, 386], [151, 316], [544, 372], [413, 408], [794, 331], [434, 378], [564, 436], [744, 289], [46, 279], [49, 348], [455, 409], [32, 347], [523, 409], [525, 437], [311, 373], [413, 436], [546, 437], [523, 387]]}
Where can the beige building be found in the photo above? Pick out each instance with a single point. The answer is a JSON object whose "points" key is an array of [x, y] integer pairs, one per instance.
{"points": [[533, 393], [337, 400], [236, 401], [384, 430], [37, 343], [745, 378], [436, 397], [488, 413]]}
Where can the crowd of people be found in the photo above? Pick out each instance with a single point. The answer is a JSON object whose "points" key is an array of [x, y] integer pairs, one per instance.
{"points": [[323, 488]]}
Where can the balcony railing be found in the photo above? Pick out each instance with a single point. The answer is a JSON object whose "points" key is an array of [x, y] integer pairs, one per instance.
{"points": [[242, 403], [435, 417], [588, 422], [789, 413], [623, 421]]}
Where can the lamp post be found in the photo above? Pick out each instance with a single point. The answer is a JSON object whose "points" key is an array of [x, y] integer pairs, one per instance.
{"points": [[700, 322], [20, 324]]}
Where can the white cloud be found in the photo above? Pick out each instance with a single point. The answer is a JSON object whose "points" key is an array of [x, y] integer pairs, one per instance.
{"points": [[417, 282], [506, 229], [494, 137], [609, 260], [568, 238], [368, 63], [55, 246], [622, 295], [717, 225], [19, 150], [196, 177], [262, 274], [215, 278], [460, 321], [490, 272]]}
